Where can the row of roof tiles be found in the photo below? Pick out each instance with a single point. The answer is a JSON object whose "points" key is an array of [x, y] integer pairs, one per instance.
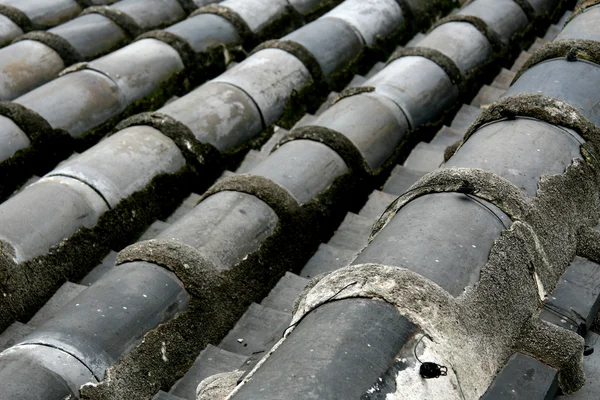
{"points": [[73, 111], [439, 236], [300, 190], [125, 183], [20, 16]]}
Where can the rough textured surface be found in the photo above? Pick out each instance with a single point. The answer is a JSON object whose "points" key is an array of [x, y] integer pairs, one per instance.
{"points": [[213, 309], [582, 5], [196, 273], [352, 91], [184, 49], [587, 243], [124, 21], [445, 62], [502, 309], [572, 49], [211, 313], [544, 108], [481, 26], [64, 49], [476, 182], [278, 198], [196, 154], [28, 285], [334, 140], [17, 16], [127, 378], [450, 322], [47, 145], [301, 53], [217, 387]]}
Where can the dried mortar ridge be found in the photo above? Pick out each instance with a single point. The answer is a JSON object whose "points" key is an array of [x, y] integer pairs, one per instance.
{"points": [[352, 91], [74, 68], [313, 93], [473, 181], [444, 62], [145, 353], [47, 145], [219, 298], [480, 25], [301, 53], [544, 108], [574, 49], [198, 155], [199, 67], [318, 213], [467, 83], [33, 124], [182, 46], [238, 23], [582, 7], [317, 208], [18, 17], [65, 50], [587, 244], [177, 84], [28, 285], [198, 275], [336, 141], [218, 386], [287, 22], [480, 329], [276, 196], [124, 21]]}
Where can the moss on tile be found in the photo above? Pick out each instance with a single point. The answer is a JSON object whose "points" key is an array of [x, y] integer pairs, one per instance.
{"points": [[29, 284], [61, 46], [582, 6], [540, 107], [219, 298], [335, 141], [120, 18], [198, 155], [46, 148], [18, 17], [499, 315], [571, 49]]}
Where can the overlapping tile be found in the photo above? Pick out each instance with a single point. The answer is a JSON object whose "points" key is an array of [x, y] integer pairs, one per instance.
{"points": [[315, 387], [21, 16], [39, 56], [543, 152], [177, 149], [254, 226], [46, 124]]}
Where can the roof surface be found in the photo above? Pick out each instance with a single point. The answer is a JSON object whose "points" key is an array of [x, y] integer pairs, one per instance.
{"points": [[300, 199]]}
